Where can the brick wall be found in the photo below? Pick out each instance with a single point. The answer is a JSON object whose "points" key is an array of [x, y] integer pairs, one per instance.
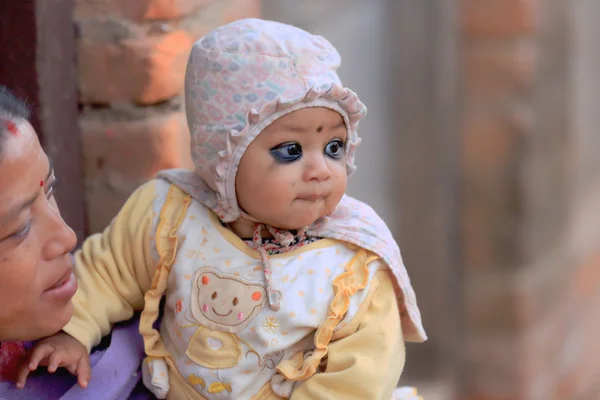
{"points": [[131, 59], [531, 242]]}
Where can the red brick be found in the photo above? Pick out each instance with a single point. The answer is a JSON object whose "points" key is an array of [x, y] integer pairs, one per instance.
{"points": [[521, 297], [491, 145], [531, 332], [137, 10], [499, 18], [143, 70], [580, 378], [121, 155], [567, 365], [523, 365], [219, 13], [531, 254], [169, 9], [497, 71], [586, 284], [494, 368], [492, 137]]}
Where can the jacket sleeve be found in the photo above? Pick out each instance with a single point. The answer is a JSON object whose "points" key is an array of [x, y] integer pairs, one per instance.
{"points": [[368, 363], [114, 270]]}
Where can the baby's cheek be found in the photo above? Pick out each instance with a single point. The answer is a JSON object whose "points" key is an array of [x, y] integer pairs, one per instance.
{"points": [[240, 316], [205, 308]]}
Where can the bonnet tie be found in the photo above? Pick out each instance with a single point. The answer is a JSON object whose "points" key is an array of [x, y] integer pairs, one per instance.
{"points": [[283, 239]]}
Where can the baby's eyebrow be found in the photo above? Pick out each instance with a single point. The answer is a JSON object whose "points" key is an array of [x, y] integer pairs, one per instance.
{"points": [[294, 128], [300, 129]]}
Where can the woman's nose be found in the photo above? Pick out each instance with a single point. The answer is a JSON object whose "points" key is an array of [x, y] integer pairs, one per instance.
{"points": [[61, 239]]}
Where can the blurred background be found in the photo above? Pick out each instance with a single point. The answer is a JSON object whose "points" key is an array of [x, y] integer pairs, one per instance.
{"points": [[479, 150]]}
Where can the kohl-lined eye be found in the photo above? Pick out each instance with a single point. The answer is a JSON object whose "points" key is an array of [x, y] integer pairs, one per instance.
{"points": [[51, 189], [335, 149], [23, 231], [287, 152]]}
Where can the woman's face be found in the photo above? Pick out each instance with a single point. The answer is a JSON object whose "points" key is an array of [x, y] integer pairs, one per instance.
{"points": [[36, 270]]}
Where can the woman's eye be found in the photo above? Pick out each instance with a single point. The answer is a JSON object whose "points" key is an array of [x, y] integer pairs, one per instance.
{"points": [[335, 149], [287, 152], [22, 232], [51, 189]]}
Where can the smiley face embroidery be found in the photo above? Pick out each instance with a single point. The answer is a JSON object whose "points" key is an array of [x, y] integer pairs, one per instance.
{"points": [[225, 302]]}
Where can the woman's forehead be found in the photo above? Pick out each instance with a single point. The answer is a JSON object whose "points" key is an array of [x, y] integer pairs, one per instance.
{"points": [[23, 168], [20, 149], [17, 138]]}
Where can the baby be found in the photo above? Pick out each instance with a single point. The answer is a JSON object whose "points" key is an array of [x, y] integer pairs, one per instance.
{"points": [[255, 275]]}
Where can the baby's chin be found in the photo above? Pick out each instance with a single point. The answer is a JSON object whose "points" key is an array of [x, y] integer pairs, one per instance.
{"points": [[297, 222]]}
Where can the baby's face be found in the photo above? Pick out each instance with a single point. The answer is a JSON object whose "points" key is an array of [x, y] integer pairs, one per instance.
{"points": [[294, 172]]}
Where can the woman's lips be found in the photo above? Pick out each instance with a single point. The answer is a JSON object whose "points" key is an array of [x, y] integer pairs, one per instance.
{"points": [[64, 289], [62, 280]]}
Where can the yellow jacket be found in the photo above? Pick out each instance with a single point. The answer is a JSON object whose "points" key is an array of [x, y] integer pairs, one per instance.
{"points": [[119, 272]]}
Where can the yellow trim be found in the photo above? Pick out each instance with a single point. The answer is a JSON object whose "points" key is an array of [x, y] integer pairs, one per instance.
{"points": [[354, 278], [165, 231], [374, 257], [244, 248], [352, 326]]}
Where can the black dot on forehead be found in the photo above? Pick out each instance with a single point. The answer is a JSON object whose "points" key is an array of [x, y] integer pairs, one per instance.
{"points": [[320, 129]]}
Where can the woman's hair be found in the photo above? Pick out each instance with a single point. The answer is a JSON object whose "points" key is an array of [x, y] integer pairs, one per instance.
{"points": [[13, 110]]}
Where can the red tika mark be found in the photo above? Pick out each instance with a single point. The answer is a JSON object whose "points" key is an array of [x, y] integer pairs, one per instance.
{"points": [[41, 183], [12, 127], [10, 356]]}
